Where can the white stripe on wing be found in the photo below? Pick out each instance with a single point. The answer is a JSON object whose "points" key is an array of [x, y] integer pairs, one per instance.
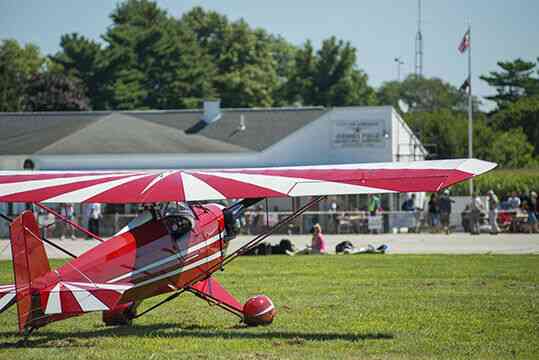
{"points": [[23, 186], [91, 191], [196, 189]]}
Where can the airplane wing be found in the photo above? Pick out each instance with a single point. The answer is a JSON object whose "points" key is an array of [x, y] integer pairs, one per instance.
{"points": [[149, 186]]}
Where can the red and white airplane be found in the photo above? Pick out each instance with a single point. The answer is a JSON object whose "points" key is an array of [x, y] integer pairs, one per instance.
{"points": [[173, 249]]}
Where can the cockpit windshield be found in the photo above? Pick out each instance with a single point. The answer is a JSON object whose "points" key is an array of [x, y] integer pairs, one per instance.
{"points": [[141, 219], [179, 218]]}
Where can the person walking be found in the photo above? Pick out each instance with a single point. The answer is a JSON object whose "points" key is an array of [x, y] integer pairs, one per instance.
{"points": [[493, 203], [445, 210], [434, 212]]}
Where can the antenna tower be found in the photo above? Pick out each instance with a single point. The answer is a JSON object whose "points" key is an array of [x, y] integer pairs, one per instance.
{"points": [[419, 44]]}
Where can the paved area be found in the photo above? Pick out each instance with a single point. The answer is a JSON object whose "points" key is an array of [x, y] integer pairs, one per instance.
{"points": [[457, 243]]}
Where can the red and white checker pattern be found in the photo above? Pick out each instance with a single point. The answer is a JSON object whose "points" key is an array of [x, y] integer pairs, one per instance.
{"points": [[195, 185]]}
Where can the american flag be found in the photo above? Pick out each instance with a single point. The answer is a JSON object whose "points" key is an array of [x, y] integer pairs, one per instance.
{"points": [[465, 43]]}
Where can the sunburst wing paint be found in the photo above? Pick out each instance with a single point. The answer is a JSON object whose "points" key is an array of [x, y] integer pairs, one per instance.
{"points": [[195, 185]]}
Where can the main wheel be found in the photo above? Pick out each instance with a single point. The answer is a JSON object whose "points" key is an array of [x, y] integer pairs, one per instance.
{"points": [[121, 315], [259, 310]]}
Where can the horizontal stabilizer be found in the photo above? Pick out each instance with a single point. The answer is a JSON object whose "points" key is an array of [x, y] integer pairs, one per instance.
{"points": [[7, 297], [78, 297]]}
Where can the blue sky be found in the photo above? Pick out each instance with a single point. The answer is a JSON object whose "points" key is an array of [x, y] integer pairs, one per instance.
{"points": [[380, 30]]}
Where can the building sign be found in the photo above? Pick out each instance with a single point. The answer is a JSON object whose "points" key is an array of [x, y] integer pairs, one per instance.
{"points": [[359, 133]]}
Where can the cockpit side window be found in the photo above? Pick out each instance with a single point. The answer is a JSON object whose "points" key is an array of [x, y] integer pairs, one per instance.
{"points": [[179, 227]]}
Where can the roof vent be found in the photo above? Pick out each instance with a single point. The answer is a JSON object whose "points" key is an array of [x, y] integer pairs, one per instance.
{"points": [[242, 127], [212, 113]]}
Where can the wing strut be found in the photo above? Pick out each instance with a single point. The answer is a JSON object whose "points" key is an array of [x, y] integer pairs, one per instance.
{"points": [[42, 238], [258, 239], [64, 219], [251, 244]]}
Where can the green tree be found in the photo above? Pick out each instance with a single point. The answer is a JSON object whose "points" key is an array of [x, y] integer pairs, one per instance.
{"points": [[523, 114], [511, 149], [301, 85], [50, 91], [246, 73], [284, 55], [83, 58], [423, 94], [445, 133], [513, 82], [330, 76], [17, 65], [154, 60]]}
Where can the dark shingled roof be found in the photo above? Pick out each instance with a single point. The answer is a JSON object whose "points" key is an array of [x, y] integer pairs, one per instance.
{"points": [[263, 127], [28, 133], [147, 131], [119, 133]]}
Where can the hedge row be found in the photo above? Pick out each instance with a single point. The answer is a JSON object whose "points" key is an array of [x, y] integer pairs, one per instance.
{"points": [[502, 181]]}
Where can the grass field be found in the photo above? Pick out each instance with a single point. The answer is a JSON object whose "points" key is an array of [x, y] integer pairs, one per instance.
{"points": [[341, 307]]}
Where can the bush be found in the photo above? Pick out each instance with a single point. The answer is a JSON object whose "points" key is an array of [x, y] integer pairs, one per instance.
{"points": [[502, 181]]}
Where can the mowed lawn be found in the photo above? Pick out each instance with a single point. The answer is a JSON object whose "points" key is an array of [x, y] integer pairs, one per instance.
{"points": [[341, 307]]}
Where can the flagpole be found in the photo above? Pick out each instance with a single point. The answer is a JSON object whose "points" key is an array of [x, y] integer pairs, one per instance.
{"points": [[470, 110]]}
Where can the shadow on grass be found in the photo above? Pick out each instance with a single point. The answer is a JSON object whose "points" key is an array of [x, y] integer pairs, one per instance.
{"points": [[62, 339]]}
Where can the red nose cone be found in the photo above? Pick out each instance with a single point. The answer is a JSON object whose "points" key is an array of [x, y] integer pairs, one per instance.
{"points": [[258, 310]]}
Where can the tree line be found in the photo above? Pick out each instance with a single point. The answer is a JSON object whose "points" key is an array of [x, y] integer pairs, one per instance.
{"points": [[149, 59]]}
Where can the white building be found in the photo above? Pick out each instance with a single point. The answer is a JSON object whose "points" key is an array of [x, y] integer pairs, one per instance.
{"points": [[187, 139], [206, 138]]}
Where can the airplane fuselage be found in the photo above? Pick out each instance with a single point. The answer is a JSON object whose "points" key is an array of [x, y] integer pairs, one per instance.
{"points": [[159, 255]]}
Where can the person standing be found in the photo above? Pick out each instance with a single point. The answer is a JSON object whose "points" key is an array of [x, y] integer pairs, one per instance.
{"points": [[514, 201], [374, 204], [434, 212], [445, 210], [531, 207], [94, 218], [409, 204], [493, 212], [67, 210], [475, 214]]}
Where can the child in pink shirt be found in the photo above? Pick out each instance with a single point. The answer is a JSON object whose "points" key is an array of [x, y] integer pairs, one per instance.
{"points": [[317, 243]]}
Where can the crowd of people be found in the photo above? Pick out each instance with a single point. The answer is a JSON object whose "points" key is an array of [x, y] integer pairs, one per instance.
{"points": [[513, 212], [91, 219]]}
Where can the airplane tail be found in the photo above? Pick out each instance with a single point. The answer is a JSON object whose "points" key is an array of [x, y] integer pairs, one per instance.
{"points": [[29, 263]]}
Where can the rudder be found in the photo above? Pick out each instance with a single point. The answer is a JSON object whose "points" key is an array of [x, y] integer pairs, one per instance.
{"points": [[29, 262]]}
